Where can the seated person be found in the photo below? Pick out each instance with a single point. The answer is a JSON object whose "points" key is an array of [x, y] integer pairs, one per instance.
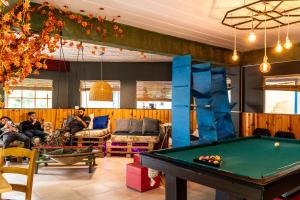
{"points": [[33, 128], [10, 133], [76, 123]]}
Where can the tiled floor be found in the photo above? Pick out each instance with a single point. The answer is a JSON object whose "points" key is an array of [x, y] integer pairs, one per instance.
{"points": [[107, 182]]}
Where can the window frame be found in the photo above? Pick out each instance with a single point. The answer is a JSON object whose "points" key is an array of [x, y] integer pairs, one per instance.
{"points": [[149, 100], [22, 87], [292, 88]]}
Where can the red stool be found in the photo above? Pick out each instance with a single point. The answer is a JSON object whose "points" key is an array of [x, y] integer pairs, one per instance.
{"points": [[137, 178]]}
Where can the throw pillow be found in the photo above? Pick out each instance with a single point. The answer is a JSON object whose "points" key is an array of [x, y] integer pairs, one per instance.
{"points": [[136, 126], [150, 126], [91, 125], [100, 122], [122, 125]]}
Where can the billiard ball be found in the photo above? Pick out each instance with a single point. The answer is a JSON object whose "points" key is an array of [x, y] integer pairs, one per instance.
{"points": [[276, 144], [216, 162], [218, 158], [202, 158]]}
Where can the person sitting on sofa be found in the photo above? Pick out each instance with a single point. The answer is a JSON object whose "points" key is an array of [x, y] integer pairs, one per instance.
{"points": [[32, 127], [76, 123], [10, 133]]}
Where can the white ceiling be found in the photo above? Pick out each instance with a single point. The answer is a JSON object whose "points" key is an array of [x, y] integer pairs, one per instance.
{"points": [[111, 54], [198, 20]]}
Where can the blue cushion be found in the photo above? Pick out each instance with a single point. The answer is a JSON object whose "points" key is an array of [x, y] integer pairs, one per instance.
{"points": [[100, 122]]}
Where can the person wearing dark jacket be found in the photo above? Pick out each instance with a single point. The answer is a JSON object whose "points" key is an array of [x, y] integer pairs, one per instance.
{"points": [[10, 132], [33, 128], [75, 124]]}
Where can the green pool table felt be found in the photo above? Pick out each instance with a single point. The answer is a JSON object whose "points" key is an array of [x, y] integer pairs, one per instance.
{"points": [[255, 158]]}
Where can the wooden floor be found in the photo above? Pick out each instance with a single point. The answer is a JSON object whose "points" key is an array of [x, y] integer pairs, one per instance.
{"points": [[107, 182]]}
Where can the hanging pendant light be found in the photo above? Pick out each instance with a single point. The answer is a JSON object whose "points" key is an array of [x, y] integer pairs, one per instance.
{"points": [[252, 36], [235, 55], [278, 47], [265, 67], [288, 44], [101, 90]]}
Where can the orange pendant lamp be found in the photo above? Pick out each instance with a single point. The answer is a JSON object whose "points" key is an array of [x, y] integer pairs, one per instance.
{"points": [[101, 90]]}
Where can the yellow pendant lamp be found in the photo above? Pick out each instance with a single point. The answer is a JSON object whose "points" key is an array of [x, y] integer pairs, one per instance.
{"points": [[235, 55], [101, 90], [288, 44], [278, 47], [265, 67], [252, 36]]}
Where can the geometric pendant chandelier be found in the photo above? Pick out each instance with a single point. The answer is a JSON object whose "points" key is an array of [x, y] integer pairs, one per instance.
{"points": [[253, 15], [264, 14]]}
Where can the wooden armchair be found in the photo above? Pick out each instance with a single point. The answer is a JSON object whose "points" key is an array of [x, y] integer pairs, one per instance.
{"points": [[21, 153]]}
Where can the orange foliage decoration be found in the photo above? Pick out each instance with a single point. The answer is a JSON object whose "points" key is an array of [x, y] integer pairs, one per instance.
{"points": [[22, 52]]}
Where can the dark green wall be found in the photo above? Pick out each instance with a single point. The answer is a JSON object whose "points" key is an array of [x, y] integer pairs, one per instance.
{"points": [[60, 87]]}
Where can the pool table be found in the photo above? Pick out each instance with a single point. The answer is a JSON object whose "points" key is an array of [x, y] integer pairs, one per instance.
{"points": [[253, 168]]}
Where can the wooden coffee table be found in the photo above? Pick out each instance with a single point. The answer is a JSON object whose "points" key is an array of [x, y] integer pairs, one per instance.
{"points": [[44, 157]]}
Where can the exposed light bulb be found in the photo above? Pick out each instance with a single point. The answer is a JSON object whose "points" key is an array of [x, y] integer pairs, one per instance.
{"points": [[265, 67], [235, 55], [252, 37], [288, 44], [278, 47]]}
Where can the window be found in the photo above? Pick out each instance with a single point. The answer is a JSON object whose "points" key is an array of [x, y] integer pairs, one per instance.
{"points": [[85, 93], [281, 94], [154, 94], [31, 93]]}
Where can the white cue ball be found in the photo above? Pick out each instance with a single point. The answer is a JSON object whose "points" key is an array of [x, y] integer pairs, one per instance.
{"points": [[276, 144]]}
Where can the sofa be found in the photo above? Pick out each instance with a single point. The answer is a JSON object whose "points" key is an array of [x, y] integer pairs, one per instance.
{"points": [[134, 136], [48, 128]]}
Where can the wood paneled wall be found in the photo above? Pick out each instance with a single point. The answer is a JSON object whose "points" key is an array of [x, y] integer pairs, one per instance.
{"points": [[273, 122], [250, 121], [57, 116]]}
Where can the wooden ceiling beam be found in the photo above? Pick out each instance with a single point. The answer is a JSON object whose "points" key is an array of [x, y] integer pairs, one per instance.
{"points": [[143, 40]]}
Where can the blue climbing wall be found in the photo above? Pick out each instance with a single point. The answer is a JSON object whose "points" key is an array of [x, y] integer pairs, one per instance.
{"points": [[220, 104], [181, 93], [202, 92], [208, 86]]}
